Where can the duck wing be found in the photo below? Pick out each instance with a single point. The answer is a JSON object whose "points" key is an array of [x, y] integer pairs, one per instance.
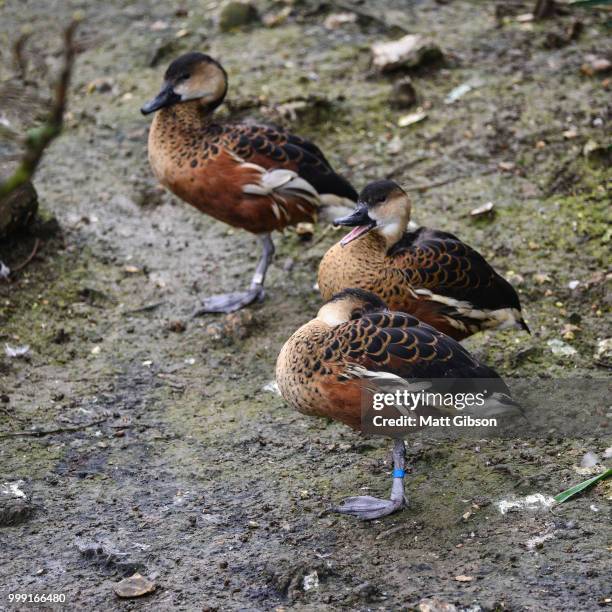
{"points": [[272, 147], [440, 262], [382, 352], [443, 269]]}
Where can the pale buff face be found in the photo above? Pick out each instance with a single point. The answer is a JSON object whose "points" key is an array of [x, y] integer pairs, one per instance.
{"points": [[392, 215], [337, 312], [343, 310], [206, 83]]}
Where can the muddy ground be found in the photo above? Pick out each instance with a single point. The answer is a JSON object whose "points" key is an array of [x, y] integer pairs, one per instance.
{"points": [[171, 458]]}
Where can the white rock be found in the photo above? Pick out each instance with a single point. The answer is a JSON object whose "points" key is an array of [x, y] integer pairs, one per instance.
{"points": [[16, 351], [311, 581], [271, 387], [589, 459], [603, 352], [560, 348], [536, 501], [12, 489]]}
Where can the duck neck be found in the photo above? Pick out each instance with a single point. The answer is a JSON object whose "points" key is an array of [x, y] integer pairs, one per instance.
{"points": [[317, 327], [369, 250], [310, 334], [391, 233], [186, 116]]}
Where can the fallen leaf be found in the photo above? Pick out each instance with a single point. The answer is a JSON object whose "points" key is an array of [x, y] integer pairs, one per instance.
{"points": [[524, 17], [458, 92], [596, 65], [407, 52], [540, 278], [336, 20], [157, 26], [463, 578], [134, 586], [481, 211], [304, 230], [412, 118]]}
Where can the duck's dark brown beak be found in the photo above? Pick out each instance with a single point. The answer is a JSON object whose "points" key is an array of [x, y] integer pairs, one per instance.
{"points": [[358, 217], [166, 97], [360, 220]]}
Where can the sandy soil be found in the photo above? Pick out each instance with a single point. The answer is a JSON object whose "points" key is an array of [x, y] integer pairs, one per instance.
{"points": [[182, 466]]}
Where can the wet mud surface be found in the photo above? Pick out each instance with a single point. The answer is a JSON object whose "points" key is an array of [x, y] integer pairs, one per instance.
{"points": [[165, 454]]}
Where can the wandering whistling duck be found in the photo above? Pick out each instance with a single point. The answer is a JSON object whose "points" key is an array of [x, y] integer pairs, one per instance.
{"points": [[356, 347], [428, 273], [255, 177]]}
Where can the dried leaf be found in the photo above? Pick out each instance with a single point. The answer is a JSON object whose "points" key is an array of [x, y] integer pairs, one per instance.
{"points": [[134, 586], [463, 578], [412, 118]]}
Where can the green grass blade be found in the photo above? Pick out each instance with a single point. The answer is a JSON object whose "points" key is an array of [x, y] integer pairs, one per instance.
{"points": [[565, 495], [589, 2]]}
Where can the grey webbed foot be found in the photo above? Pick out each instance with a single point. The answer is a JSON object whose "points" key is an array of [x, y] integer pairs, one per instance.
{"points": [[368, 508], [229, 302]]}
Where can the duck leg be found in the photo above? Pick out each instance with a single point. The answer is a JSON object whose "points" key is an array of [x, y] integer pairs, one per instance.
{"points": [[230, 302], [368, 508]]}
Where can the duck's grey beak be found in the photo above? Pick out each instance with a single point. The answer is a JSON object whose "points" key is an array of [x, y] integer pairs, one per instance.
{"points": [[360, 220], [166, 97]]}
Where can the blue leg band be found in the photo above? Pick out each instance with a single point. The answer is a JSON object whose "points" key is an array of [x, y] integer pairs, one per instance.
{"points": [[398, 473]]}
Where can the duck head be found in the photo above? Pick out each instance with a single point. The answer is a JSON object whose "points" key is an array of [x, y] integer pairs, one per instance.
{"points": [[348, 305], [383, 207], [193, 76]]}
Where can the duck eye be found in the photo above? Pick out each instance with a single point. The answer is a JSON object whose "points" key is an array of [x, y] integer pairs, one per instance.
{"points": [[356, 314], [184, 77]]}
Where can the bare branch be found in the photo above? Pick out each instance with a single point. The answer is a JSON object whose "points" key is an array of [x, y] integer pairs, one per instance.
{"points": [[19, 59], [38, 139]]}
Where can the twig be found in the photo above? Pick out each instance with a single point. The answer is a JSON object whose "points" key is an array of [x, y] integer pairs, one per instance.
{"points": [[544, 9], [8, 414], [31, 256], [242, 104], [377, 16], [38, 139], [46, 432], [146, 308], [406, 165], [324, 233], [19, 59], [328, 228], [452, 179]]}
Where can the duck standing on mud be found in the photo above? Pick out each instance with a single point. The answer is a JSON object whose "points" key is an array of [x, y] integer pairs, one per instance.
{"points": [[255, 177], [356, 347], [428, 273]]}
